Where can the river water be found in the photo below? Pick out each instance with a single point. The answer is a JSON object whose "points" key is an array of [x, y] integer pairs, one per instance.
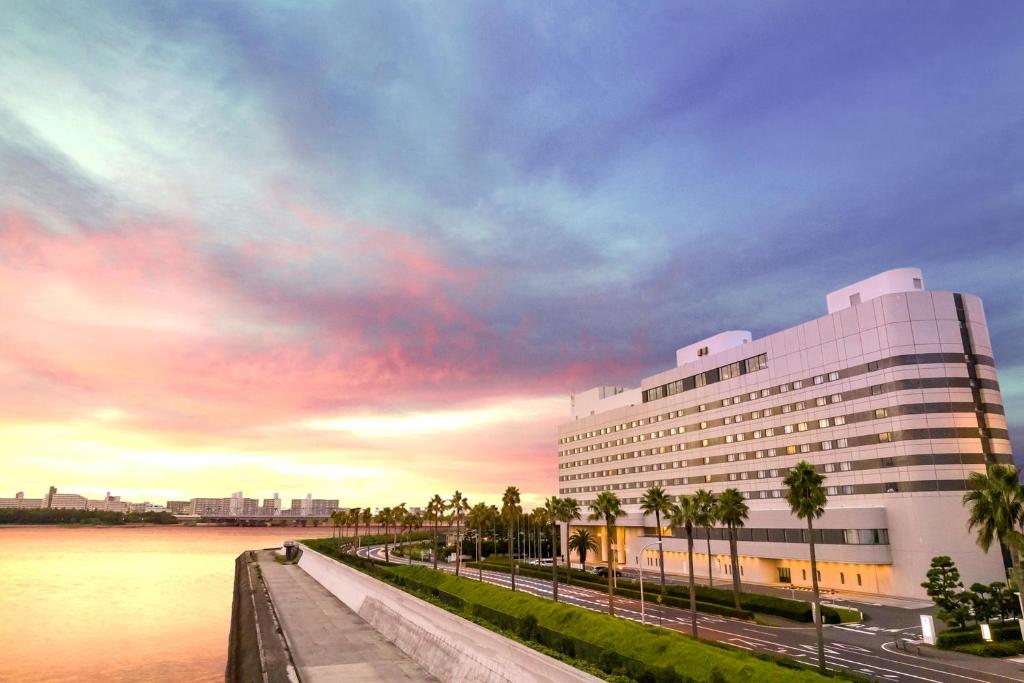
{"points": [[121, 604]]}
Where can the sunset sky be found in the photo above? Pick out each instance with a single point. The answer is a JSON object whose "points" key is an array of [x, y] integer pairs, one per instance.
{"points": [[366, 249]]}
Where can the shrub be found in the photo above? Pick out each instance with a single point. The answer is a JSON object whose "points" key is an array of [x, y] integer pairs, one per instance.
{"points": [[1003, 649]]}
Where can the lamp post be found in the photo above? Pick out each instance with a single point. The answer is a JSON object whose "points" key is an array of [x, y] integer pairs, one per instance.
{"points": [[643, 613]]}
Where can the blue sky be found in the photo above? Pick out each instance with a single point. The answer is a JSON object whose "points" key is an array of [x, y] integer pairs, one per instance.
{"points": [[384, 209]]}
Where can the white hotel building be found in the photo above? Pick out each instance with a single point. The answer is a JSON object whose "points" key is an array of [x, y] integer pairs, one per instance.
{"points": [[892, 396]]}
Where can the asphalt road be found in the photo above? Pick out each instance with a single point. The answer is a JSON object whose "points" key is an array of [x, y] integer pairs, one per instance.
{"points": [[867, 649]]}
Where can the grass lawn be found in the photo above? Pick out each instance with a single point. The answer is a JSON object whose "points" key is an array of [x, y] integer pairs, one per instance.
{"points": [[656, 646]]}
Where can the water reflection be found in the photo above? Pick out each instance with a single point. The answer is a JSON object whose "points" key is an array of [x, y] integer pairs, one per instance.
{"points": [[138, 604]]}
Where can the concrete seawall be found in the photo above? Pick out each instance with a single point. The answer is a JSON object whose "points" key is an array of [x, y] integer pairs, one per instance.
{"points": [[445, 645], [257, 652]]}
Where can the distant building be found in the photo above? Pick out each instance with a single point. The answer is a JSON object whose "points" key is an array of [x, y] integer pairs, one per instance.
{"points": [[67, 501], [20, 502], [179, 507], [271, 506], [210, 506], [315, 507], [108, 503]]}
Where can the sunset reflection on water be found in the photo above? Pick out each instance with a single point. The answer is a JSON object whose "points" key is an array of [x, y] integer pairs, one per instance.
{"points": [[121, 604]]}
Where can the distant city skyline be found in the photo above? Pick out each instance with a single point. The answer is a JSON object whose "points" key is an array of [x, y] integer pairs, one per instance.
{"points": [[371, 248]]}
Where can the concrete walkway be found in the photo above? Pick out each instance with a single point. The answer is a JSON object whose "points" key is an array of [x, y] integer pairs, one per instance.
{"points": [[329, 642]]}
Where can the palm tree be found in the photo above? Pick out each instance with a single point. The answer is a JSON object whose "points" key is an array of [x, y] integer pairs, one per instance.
{"points": [[806, 497], [435, 509], [656, 502], [582, 541], [707, 504], [367, 520], [553, 510], [510, 510], [996, 505], [685, 515], [398, 514], [384, 518], [336, 519], [568, 512], [733, 512], [608, 507], [459, 506], [478, 518], [493, 515], [355, 517]]}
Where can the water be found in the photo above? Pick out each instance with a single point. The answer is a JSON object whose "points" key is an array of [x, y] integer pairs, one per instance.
{"points": [[116, 604]]}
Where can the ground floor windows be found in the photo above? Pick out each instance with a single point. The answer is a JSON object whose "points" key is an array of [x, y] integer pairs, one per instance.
{"points": [[784, 575]]}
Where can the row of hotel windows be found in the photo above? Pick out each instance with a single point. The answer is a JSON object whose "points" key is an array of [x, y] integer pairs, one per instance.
{"points": [[893, 361], [844, 466], [707, 377], [792, 535], [728, 420]]}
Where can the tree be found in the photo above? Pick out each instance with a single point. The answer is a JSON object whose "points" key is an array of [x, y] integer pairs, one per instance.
{"points": [[582, 540], [996, 506], [385, 517], [336, 519], [806, 497], [367, 520], [944, 588], [459, 506], [435, 509], [733, 512], [707, 505], [398, 514], [608, 507], [510, 510], [478, 518], [357, 515], [686, 515], [656, 502], [568, 512]]}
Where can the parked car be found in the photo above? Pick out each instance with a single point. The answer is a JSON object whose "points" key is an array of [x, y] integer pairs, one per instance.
{"points": [[603, 571]]}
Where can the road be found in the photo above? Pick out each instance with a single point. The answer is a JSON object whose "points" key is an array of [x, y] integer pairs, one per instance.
{"points": [[864, 649]]}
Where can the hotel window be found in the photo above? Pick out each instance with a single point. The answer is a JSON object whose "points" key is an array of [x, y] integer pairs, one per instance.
{"points": [[858, 580], [776, 493], [730, 457], [771, 452], [760, 474], [830, 467], [766, 392], [757, 433], [754, 415], [826, 445], [741, 436], [752, 395], [770, 431], [876, 389], [799, 405], [767, 412], [764, 494], [805, 448], [739, 418], [819, 379], [846, 466], [824, 422], [726, 401], [802, 427], [707, 478], [833, 376], [704, 442], [783, 388], [881, 412], [836, 398], [790, 450], [773, 473], [787, 408], [872, 366], [820, 401], [798, 384], [758, 454], [741, 456], [701, 408], [788, 429], [707, 459], [848, 490], [732, 476], [743, 475], [885, 436], [728, 420], [703, 425], [833, 491], [839, 420]]}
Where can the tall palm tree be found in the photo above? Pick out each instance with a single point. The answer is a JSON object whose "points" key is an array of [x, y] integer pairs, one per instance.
{"points": [[568, 512], [806, 497], [996, 505], [493, 515], [385, 516], [398, 514], [458, 506], [510, 510], [478, 518], [367, 520], [336, 519], [435, 509], [582, 540], [552, 511], [685, 515], [707, 504], [608, 507], [357, 516], [733, 512], [656, 502]]}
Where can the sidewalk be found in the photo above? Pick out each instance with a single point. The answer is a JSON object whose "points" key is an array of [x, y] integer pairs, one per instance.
{"points": [[329, 643]]}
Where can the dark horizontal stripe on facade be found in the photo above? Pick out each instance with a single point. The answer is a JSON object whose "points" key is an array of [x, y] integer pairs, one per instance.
{"points": [[852, 371]]}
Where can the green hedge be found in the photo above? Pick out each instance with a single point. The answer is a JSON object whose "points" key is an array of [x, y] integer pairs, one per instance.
{"points": [[950, 639], [1002, 649]]}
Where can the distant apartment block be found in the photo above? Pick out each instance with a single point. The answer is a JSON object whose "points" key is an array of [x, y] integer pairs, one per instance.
{"points": [[310, 506], [20, 502], [892, 396]]}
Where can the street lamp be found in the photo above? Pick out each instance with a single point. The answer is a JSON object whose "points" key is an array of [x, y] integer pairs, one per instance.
{"points": [[643, 613]]}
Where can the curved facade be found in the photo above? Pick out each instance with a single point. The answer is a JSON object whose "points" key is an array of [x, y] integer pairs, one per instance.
{"points": [[892, 396]]}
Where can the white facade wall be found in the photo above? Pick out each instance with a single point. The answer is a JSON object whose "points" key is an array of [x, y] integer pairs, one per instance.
{"points": [[902, 468]]}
